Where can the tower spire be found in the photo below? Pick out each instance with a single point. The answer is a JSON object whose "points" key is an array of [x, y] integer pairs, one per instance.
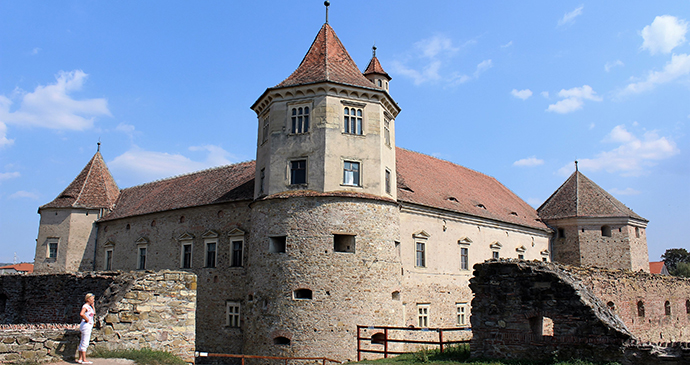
{"points": [[327, 4], [576, 166]]}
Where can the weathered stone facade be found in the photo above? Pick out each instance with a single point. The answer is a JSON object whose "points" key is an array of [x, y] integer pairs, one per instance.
{"points": [[133, 311], [538, 311]]}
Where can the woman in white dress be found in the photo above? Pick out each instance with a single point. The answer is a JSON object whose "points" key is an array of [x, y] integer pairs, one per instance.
{"points": [[86, 314]]}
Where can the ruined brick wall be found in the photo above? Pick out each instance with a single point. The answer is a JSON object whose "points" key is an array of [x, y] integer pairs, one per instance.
{"points": [[133, 311], [348, 288], [532, 310], [622, 290]]}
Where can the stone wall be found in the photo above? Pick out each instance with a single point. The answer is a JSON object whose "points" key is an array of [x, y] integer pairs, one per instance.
{"points": [[133, 311], [538, 311]]}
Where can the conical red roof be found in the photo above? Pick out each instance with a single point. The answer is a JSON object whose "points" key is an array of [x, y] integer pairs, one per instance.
{"points": [[327, 60], [374, 67], [581, 197], [94, 187]]}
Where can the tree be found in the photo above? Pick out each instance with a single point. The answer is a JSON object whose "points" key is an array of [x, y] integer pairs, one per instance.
{"points": [[673, 256], [682, 269]]}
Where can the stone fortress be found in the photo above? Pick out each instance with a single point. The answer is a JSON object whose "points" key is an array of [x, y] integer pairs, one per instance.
{"points": [[332, 225]]}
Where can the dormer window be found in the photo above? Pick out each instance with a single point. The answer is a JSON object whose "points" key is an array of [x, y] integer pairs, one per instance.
{"points": [[352, 121], [300, 120]]}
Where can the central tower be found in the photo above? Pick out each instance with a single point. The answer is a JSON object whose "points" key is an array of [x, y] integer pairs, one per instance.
{"points": [[327, 127]]}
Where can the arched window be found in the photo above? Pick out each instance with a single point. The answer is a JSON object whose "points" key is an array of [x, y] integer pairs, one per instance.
{"points": [[611, 306], [280, 340], [667, 308], [606, 231], [303, 294], [378, 338], [640, 309]]}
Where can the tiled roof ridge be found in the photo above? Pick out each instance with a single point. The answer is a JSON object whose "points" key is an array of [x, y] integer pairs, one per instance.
{"points": [[556, 193], [86, 180], [617, 204], [188, 174], [449, 162]]}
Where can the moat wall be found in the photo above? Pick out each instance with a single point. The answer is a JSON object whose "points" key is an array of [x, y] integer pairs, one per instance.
{"points": [[133, 311]]}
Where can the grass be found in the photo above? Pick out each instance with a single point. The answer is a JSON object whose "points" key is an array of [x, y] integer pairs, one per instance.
{"points": [[459, 355], [141, 357]]}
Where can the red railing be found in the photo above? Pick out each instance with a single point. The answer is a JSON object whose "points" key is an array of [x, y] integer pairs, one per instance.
{"points": [[285, 359], [385, 340]]}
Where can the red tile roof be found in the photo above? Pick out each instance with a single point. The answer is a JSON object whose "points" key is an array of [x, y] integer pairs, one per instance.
{"points": [[431, 182], [375, 67], [327, 60], [657, 268], [94, 187], [217, 185], [581, 197], [23, 267]]}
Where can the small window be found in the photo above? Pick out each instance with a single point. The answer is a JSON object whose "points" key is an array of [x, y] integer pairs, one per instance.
{"points": [[380, 83], [495, 255], [388, 181], [141, 265], [387, 132], [153, 223], [464, 258], [606, 231], [108, 260], [611, 306], [423, 315], [232, 311], [461, 310], [264, 135], [186, 255], [211, 253], [300, 120], [521, 256], [182, 219], [298, 172], [353, 121], [277, 244], [262, 179], [280, 340], [640, 309], [687, 306], [302, 294], [637, 232], [378, 338], [237, 253], [127, 227], [395, 295], [351, 173], [52, 250], [667, 308], [545, 259], [561, 233], [420, 254], [344, 243]]}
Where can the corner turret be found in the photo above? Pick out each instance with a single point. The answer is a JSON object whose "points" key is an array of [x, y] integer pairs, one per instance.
{"points": [[375, 72]]}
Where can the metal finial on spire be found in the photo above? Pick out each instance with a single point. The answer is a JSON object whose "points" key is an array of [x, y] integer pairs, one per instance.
{"points": [[327, 3], [576, 166], [373, 49], [98, 149]]}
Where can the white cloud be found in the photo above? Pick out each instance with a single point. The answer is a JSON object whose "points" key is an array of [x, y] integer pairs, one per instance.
{"points": [[521, 94], [429, 60], [51, 106], [482, 67], [125, 128], [21, 194], [573, 99], [678, 66], [4, 141], [528, 162], [609, 65], [591, 126], [507, 44], [569, 18], [626, 191], [545, 94], [457, 79], [35, 51], [632, 157], [664, 34], [9, 175], [142, 166]]}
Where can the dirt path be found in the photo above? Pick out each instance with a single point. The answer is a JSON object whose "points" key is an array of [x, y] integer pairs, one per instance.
{"points": [[97, 361]]}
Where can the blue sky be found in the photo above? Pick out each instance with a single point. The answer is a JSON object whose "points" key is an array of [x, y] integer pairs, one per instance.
{"points": [[516, 90]]}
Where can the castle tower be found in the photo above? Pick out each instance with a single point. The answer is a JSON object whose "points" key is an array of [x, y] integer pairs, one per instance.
{"points": [[592, 228], [67, 231], [327, 127], [375, 73]]}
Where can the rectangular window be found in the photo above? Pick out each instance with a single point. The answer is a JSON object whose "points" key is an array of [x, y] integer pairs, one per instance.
{"points": [[344, 243], [277, 244], [388, 181], [495, 255], [351, 173], [300, 120], [236, 253], [421, 257], [462, 313], [232, 314], [423, 315], [464, 258], [142, 259], [52, 250], [262, 178], [298, 172], [352, 121], [387, 132], [108, 260], [521, 256], [561, 233], [264, 137], [211, 254], [186, 256]]}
